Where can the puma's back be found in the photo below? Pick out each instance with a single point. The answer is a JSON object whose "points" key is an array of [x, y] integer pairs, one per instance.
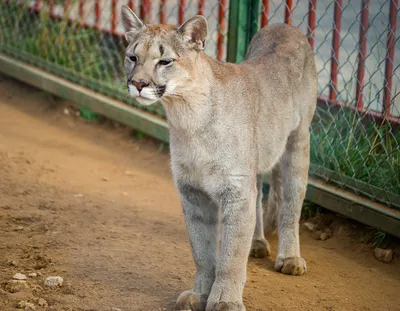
{"points": [[282, 61]]}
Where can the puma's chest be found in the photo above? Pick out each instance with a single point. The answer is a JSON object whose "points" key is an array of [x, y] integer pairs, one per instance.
{"points": [[199, 164]]}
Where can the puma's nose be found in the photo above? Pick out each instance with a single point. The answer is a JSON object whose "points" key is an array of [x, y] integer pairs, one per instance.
{"points": [[140, 85]]}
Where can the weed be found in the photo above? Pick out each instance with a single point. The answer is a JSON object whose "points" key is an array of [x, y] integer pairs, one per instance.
{"points": [[310, 210], [380, 239]]}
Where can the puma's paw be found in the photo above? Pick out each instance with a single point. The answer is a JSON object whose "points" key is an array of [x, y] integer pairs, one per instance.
{"points": [[226, 296], [260, 249], [291, 265], [225, 306], [191, 301]]}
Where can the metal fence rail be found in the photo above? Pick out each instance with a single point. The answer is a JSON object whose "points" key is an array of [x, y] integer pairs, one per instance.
{"points": [[356, 129]]}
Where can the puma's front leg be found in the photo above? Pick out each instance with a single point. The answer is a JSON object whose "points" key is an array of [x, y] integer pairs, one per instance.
{"points": [[201, 216], [238, 223]]}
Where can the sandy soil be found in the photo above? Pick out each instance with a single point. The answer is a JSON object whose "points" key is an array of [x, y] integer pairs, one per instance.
{"points": [[94, 205]]}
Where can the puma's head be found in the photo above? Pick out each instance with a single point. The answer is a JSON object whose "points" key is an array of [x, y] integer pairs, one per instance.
{"points": [[160, 58]]}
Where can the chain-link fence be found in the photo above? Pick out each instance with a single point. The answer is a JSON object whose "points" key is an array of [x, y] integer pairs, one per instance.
{"points": [[83, 40], [356, 130]]}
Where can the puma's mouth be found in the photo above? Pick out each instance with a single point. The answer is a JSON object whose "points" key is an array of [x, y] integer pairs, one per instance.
{"points": [[148, 92], [147, 95]]}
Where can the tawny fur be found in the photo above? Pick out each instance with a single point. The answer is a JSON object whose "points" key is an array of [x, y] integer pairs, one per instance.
{"points": [[229, 124]]}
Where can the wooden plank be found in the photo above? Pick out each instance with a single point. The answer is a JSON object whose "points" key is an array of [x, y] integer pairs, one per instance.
{"points": [[350, 205], [140, 120]]}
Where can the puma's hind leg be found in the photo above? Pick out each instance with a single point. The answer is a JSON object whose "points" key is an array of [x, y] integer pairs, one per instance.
{"points": [[259, 247], [267, 217], [295, 163]]}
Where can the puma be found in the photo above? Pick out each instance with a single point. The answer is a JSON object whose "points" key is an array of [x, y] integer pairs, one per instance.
{"points": [[229, 124]]}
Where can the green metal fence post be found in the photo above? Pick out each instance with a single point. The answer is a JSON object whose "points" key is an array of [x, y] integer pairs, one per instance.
{"points": [[244, 22], [255, 18], [238, 30]]}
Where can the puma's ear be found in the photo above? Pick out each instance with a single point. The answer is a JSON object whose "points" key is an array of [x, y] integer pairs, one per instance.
{"points": [[195, 32], [132, 23]]}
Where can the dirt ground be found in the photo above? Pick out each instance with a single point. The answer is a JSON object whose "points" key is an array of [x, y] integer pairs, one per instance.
{"points": [[97, 206]]}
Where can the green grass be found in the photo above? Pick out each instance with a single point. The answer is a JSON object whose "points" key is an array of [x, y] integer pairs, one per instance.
{"points": [[85, 52], [347, 143], [381, 239]]}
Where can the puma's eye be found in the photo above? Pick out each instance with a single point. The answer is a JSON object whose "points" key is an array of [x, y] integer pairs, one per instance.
{"points": [[165, 62], [133, 58]]}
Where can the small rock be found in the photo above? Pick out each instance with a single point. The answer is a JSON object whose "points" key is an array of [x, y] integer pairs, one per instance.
{"points": [[317, 235], [21, 304], [12, 263], [66, 111], [78, 195], [19, 276], [33, 275], [42, 261], [19, 228], [125, 193], [30, 307], [329, 232], [115, 309], [77, 113], [104, 179], [384, 255], [42, 302], [340, 230], [15, 286], [310, 226], [53, 281], [129, 173], [324, 236]]}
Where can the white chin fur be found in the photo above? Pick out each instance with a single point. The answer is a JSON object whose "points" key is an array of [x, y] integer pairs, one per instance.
{"points": [[144, 101]]}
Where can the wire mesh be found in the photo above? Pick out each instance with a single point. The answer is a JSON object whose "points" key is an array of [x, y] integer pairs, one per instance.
{"points": [[355, 136], [82, 40]]}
